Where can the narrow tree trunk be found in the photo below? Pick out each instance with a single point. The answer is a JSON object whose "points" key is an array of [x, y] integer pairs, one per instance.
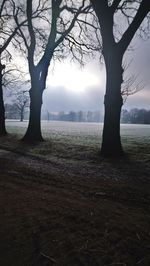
{"points": [[22, 114], [3, 131], [111, 140], [33, 132]]}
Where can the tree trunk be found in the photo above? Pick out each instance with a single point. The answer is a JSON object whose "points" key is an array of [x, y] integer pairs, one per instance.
{"points": [[22, 114], [111, 140], [33, 132], [3, 131]]}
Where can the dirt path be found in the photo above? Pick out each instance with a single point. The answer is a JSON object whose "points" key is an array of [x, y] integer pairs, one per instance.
{"points": [[75, 212]]}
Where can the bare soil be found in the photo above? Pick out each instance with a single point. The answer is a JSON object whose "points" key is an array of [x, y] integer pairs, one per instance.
{"points": [[81, 210]]}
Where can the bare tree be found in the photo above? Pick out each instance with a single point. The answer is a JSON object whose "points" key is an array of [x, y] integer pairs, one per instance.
{"points": [[21, 101], [8, 12], [131, 83], [130, 86], [62, 29], [115, 44]]}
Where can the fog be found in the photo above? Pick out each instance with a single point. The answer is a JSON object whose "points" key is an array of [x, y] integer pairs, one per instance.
{"points": [[71, 88]]}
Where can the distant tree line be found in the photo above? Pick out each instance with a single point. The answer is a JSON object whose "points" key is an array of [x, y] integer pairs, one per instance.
{"points": [[21, 111], [135, 116], [80, 116]]}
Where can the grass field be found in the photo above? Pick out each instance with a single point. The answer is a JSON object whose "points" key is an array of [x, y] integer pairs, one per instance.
{"points": [[61, 198]]}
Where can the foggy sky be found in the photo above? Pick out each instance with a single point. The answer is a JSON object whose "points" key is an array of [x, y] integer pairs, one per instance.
{"points": [[60, 96], [73, 88]]}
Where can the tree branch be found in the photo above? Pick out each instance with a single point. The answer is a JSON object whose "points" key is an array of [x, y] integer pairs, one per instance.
{"points": [[135, 24], [31, 48], [114, 5], [2, 6]]}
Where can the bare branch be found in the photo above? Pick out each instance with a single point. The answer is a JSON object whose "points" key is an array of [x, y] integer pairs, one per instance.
{"points": [[115, 5], [31, 32], [143, 10]]}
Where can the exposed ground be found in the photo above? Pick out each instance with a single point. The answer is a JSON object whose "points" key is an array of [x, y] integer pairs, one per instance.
{"points": [[62, 199]]}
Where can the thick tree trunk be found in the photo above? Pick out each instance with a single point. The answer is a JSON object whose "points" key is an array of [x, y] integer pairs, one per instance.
{"points": [[33, 132], [111, 140], [3, 131]]}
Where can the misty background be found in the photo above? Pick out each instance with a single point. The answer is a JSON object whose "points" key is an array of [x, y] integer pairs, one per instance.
{"points": [[84, 88], [71, 87]]}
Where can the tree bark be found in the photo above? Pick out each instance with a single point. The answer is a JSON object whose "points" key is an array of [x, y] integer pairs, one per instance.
{"points": [[111, 140], [3, 131], [33, 132]]}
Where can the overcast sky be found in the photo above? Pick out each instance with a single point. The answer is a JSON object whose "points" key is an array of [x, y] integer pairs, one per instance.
{"points": [[71, 88]]}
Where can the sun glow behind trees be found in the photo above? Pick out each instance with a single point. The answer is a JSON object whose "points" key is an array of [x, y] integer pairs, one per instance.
{"points": [[75, 78]]}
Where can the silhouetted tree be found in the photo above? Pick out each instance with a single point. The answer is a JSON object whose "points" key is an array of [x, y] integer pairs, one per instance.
{"points": [[135, 116], [11, 111], [8, 12], [21, 102], [2, 108], [51, 42], [125, 116], [61, 116], [89, 116], [72, 116], [96, 116], [114, 47], [80, 116]]}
